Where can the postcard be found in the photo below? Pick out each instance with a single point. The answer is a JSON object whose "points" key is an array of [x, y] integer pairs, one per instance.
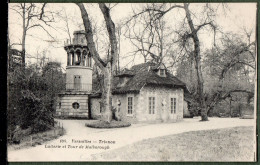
{"points": [[150, 82]]}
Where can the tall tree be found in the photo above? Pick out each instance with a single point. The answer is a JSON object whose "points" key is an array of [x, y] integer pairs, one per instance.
{"points": [[189, 40], [108, 66], [55, 82], [33, 15], [148, 35], [230, 69]]}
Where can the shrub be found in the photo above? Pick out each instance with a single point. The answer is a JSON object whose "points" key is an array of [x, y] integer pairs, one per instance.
{"points": [[43, 120], [104, 124]]}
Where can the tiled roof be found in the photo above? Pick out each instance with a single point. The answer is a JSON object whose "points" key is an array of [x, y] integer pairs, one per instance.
{"points": [[140, 75]]}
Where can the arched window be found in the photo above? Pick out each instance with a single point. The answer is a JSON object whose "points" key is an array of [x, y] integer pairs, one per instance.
{"points": [[78, 58], [75, 105]]}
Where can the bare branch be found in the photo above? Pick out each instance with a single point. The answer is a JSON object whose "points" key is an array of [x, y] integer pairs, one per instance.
{"points": [[89, 36]]}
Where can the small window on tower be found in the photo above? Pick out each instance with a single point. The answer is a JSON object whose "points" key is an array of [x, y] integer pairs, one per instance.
{"points": [[75, 105]]}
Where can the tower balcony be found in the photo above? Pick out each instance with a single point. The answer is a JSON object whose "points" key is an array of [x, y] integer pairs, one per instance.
{"points": [[75, 43], [79, 87]]}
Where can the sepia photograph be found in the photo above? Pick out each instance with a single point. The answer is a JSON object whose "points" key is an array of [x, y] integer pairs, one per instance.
{"points": [[132, 82]]}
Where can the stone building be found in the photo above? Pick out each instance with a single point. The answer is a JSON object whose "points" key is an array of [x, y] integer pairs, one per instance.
{"points": [[146, 92], [73, 102]]}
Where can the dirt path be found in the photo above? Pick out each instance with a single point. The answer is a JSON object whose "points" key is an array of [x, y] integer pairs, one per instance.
{"points": [[77, 135]]}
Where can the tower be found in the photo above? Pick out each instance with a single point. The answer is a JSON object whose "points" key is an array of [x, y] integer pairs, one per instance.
{"points": [[73, 102]]}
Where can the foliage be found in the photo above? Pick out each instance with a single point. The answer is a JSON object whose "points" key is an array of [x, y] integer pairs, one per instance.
{"points": [[28, 105], [228, 73], [209, 74], [105, 124], [31, 94]]}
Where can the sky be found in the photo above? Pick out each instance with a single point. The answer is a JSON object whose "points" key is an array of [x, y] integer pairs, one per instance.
{"points": [[237, 16]]}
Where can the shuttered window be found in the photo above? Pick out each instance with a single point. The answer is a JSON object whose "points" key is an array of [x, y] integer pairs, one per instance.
{"points": [[100, 107], [173, 105], [151, 105], [162, 72], [77, 82], [130, 105]]}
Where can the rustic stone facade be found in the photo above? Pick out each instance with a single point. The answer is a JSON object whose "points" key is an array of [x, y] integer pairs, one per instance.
{"points": [[186, 112], [95, 108], [85, 74], [162, 112], [140, 111], [73, 102], [65, 106], [160, 101]]}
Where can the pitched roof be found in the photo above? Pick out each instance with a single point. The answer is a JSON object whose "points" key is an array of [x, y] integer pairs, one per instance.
{"points": [[126, 73], [140, 75]]}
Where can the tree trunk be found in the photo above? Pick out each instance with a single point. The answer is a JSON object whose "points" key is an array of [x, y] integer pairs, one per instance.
{"points": [[197, 60], [107, 95], [112, 37], [108, 68], [23, 38]]}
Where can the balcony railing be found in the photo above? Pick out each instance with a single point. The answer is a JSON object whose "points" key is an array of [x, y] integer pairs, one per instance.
{"points": [[79, 87], [75, 42]]}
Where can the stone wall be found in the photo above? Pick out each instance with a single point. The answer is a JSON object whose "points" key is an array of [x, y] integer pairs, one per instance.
{"points": [[162, 112], [186, 111], [124, 106], [84, 72], [64, 106], [95, 108], [141, 105], [123, 112]]}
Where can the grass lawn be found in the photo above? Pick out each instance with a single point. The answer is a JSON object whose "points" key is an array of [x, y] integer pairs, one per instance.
{"points": [[229, 144]]}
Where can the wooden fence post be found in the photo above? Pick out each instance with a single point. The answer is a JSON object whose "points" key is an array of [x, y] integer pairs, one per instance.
{"points": [[31, 139]]}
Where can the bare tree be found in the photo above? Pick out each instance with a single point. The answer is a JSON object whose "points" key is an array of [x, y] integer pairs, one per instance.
{"points": [[33, 15], [189, 40], [119, 33], [147, 34], [231, 62], [107, 67], [66, 19]]}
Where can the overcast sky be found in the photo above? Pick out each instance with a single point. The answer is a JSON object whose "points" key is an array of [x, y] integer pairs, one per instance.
{"points": [[238, 16]]}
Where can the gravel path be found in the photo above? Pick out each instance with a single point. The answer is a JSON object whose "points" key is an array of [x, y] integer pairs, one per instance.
{"points": [[78, 137]]}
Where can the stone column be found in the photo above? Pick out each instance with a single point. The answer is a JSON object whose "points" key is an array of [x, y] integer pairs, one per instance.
{"points": [[81, 57], [87, 64], [68, 58], [73, 58], [86, 56], [85, 60], [90, 61], [69, 63]]}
